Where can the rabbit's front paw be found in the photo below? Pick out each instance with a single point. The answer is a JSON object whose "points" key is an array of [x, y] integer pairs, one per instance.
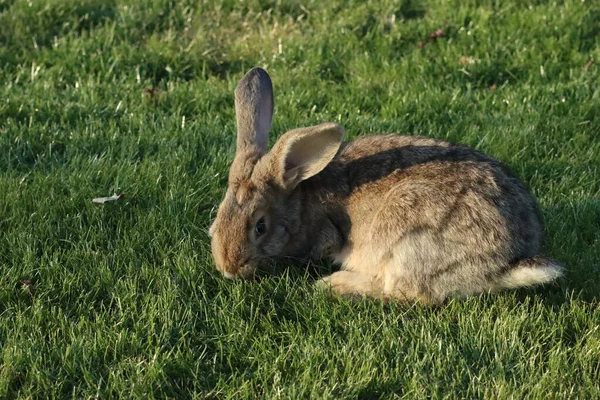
{"points": [[351, 283]]}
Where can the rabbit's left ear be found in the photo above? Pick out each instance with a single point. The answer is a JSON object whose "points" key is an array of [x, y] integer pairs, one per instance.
{"points": [[254, 113], [304, 152]]}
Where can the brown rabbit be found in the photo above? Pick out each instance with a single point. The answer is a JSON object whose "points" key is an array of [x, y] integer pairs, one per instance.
{"points": [[407, 217]]}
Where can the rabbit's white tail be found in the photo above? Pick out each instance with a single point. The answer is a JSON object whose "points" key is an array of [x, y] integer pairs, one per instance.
{"points": [[530, 271]]}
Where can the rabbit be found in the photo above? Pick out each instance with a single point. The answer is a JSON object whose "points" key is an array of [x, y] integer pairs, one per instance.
{"points": [[408, 217]]}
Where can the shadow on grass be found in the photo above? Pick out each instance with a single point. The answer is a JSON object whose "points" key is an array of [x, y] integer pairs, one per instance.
{"points": [[573, 239], [410, 9]]}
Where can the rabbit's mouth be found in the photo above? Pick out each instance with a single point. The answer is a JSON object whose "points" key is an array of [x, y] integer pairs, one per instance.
{"points": [[246, 271], [228, 275]]}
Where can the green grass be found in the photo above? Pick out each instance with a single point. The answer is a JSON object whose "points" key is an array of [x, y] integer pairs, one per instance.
{"points": [[122, 300]]}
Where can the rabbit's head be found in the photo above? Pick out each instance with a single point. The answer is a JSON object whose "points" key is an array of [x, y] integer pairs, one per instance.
{"points": [[258, 217]]}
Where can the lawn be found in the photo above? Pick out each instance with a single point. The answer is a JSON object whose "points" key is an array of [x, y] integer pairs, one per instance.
{"points": [[136, 97]]}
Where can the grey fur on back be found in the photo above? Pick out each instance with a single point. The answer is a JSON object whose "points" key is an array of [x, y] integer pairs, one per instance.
{"points": [[469, 220]]}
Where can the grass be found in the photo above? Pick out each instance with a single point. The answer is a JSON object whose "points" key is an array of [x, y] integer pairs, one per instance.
{"points": [[136, 97]]}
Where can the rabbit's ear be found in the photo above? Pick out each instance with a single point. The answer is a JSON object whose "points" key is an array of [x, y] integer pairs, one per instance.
{"points": [[254, 111], [302, 153]]}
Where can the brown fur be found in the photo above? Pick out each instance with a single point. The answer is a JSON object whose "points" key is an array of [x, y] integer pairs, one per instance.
{"points": [[408, 217]]}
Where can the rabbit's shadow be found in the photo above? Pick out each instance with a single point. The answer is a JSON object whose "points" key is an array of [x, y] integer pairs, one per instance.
{"points": [[573, 239]]}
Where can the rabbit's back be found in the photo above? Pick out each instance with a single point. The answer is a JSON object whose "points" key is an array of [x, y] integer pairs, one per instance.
{"points": [[451, 216]]}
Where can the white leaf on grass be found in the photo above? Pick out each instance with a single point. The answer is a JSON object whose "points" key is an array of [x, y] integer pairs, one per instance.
{"points": [[114, 197]]}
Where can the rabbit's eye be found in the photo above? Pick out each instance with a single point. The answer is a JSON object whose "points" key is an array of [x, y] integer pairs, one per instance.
{"points": [[261, 227]]}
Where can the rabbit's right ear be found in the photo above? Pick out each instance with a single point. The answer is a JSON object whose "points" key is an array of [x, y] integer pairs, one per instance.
{"points": [[302, 153], [254, 113]]}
